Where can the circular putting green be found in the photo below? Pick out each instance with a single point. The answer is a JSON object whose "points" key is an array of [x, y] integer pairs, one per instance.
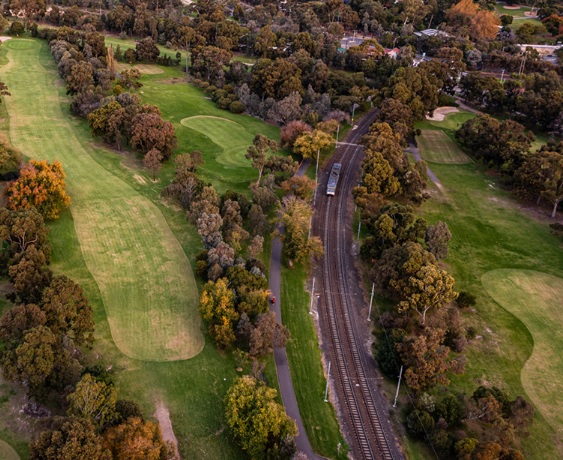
{"points": [[535, 298], [232, 138], [21, 44]]}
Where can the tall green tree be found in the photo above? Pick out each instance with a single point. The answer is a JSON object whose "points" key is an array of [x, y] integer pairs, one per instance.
{"points": [[297, 245], [259, 423], [68, 311], [428, 289], [94, 401], [262, 147]]}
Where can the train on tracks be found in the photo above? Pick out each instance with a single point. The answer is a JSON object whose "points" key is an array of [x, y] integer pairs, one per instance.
{"points": [[333, 179]]}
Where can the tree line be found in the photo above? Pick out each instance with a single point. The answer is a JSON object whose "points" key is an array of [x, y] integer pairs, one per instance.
{"points": [[48, 331], [422, 330], [235, 299], [506, 147]]}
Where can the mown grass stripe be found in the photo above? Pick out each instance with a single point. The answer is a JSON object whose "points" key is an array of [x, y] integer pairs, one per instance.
{"points": [[145, 279]]}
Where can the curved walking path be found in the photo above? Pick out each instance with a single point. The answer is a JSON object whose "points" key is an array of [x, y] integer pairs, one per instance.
{"points": [[280, 355], [415, 152]]}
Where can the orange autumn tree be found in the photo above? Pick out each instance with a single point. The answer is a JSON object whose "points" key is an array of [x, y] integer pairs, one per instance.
{"points": [[42, 186], [136, 439], [476, 22]]}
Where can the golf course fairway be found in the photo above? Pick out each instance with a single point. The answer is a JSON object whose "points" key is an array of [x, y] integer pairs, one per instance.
{"points": [[145, 279]]}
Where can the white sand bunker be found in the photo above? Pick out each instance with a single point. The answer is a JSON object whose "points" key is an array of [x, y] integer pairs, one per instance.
{"points": [[441, 112], [4, 38]]}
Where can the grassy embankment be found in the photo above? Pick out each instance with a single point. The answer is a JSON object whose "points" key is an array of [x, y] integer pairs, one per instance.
{"points": [[514, 265]]}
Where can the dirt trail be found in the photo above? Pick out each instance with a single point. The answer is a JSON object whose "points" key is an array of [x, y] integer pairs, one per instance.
{"points": [[163, 416]]}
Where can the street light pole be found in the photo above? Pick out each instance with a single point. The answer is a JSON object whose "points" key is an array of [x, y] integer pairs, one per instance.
{"points": [[312, 294], [371, 301], [316, 176], [398, 385], [327, 378]]}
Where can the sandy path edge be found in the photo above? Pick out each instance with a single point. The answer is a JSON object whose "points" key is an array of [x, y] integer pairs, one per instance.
{"points": [[162, 414]]}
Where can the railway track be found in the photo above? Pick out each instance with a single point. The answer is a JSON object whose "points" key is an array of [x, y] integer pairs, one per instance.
{"points": [[368, 430]]}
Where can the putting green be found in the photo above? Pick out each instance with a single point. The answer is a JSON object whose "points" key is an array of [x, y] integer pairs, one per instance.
{"points": [[231, 138], [144, 277], [7, 453], [436, 147], [535, 298]]}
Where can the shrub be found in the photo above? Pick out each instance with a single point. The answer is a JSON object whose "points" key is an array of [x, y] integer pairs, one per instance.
{"points": [[466, 299], [237, 107]]}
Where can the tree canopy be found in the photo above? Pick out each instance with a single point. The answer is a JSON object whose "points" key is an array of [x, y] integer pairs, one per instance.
{"points": [[257, 421], [42, 186]]}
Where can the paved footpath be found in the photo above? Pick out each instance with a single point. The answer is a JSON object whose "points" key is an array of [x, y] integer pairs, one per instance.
{"points": [[280, 356], [413, 149]]}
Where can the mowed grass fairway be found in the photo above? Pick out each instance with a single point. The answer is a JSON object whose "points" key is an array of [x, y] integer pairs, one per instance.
{"points": [[536, 298], [436, 147], [145, 279], [494, 241], [7, 453]]}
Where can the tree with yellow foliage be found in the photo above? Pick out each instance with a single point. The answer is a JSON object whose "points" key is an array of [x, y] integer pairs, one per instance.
{"points": [[42, 186], [217, 308], [308, 145], [258, 422]]}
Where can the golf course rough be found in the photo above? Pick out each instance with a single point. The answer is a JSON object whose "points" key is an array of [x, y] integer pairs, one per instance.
{"points": [[145, 279], [535, 299]]}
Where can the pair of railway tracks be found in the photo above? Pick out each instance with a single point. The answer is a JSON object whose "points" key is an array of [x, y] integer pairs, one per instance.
{"points": [[369, 431]]}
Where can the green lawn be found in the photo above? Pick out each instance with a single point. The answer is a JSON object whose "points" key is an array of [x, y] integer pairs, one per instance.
{"points": [[305, 364], [535, 298], [145, 279], [491, 232], [192, 389], [437, 147], [512, 12], [223, 144]]}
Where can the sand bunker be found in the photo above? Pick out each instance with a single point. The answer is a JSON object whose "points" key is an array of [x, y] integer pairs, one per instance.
{"points": [[441, 112]]}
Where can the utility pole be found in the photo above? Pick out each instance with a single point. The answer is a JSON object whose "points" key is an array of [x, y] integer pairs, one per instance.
{"points": [[327, 378], [316, 176], [398, 385], [359, 226], [353, 111], [312, 295], [371, 301], [310, 224], [337, 131]]}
